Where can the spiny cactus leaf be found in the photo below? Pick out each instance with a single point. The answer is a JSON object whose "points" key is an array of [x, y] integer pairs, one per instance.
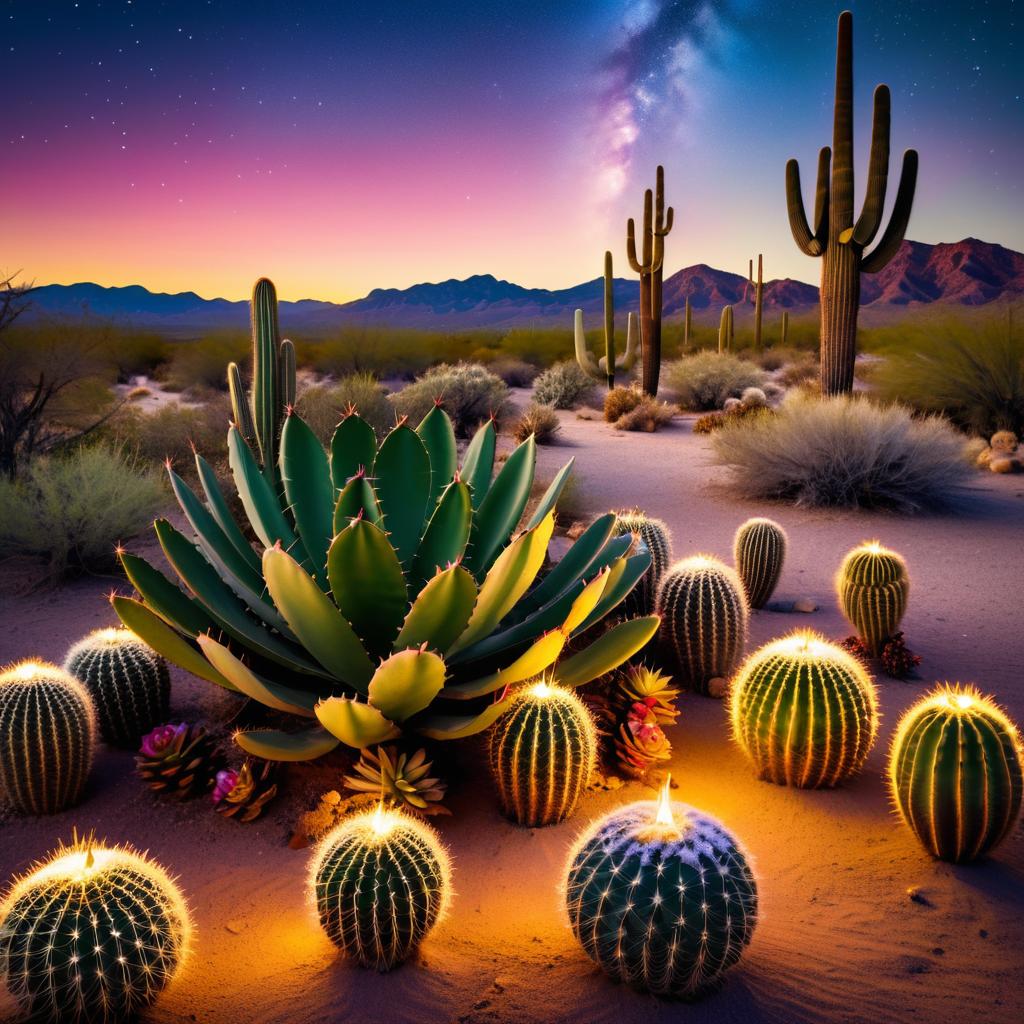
{"points": [[445, 538], [265, 691], [406, 683], [274, 745], [368, 584], [538, 657], [353, 447], [624, 577], [266, 383], [241, 410], [149, 627], [401, 478], [552, 494], [458, 727], [501, 509], [441, 611], [321, 628], [308, 488], [163, 597], [607, 652], [438, 436], [354, 723], [356, 498], [478, 463], [222, 514]]}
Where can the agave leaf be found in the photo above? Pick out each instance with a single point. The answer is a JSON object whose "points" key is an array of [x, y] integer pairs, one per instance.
{"points": [[368, 584], [406, 683], [441, 611], [402, 482], [587, 601], [607, 652], [532, 662], [320, 627], [445, 538], [274, 745], [478, 463], [163, 597], [438, 438], [222, 514], [624, 576], [306, 477], [458, 727], [355, 724], [353, 447], [356, 498], [552, 494]]}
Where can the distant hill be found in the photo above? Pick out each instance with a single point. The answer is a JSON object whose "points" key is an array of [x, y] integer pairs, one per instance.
{"points": [[967, 273]]}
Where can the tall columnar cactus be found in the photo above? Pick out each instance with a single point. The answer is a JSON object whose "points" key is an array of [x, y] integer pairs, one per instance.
{"points": [[92, 935], [804, 712], [381, 881], [543, 753], [703, 620], [725, 330], [665, 905], [687, 325], [759, 549], [872, 585], [127, 680], [835, 236], [756, 295], [784, 329], [955, 773], [47, 736], [657, 224], [657, 540], [604, 369]]}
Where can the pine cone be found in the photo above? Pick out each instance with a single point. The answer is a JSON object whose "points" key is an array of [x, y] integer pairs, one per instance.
{"points": [[399, 779], [648, 686], [641, 742], [180, 760], [243, 794], [898, 660]]}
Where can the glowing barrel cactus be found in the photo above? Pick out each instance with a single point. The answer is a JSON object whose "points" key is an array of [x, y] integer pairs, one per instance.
{"points": [[804, 712], [759, 550], [661, 897], [657, 540], [955, 773], [127, 680], [381, 882], [92, 935], [543, 753], [703, 620], [873, 585], [47, 736]]}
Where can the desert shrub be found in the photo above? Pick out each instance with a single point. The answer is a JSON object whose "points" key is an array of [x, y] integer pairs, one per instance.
{"points": [[172, 431], [706, 379], [738, 413], [619, 401], [540, 420], [203, 363], [469, 393], [138, 393], [562, 386], [648, 415], [802, 369], [845, 451], [71, 511], [134, 355], [323, 405], [753, 398], [516, 373]]}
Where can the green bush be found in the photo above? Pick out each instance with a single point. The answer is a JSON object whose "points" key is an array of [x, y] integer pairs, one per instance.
{"points": [[563, 386], [516, 373], [72, 511], [705, 380], [323, 405], [468, 392], [172, 431], [203, 364]]}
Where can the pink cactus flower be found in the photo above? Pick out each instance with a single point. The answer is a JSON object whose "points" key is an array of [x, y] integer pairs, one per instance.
{"points": [[157, 742], [226, 781]]}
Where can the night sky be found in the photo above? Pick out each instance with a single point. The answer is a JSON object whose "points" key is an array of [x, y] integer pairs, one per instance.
{"points": [[342, 146]]}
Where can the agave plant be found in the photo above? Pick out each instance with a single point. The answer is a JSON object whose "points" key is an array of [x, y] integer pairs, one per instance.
{"points": [[394, 594]]}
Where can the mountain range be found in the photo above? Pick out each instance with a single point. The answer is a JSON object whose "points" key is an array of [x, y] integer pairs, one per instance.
{"points": [[966, 273]]}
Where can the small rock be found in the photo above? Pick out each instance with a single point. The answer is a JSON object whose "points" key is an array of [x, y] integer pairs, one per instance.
{"points": [[938, 951], [235, 927], [916, 895], [718, 686], [576, 530], [983, 932], [805, 605], [500, 984], [613, 782]]}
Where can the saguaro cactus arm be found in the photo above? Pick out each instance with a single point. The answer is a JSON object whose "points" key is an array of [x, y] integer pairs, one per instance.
{"points": [[870, 219], [647, 265], [810, 243], [583, 356], [892, 237]]}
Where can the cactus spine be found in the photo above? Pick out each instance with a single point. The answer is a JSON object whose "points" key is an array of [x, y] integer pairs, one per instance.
{"points": [[756, 296], [93, 934], [835, 236], [655, 536], [543, 752], [606, 366], [873, 585], [703, 620], [784, 329], [381, 882], [725, 330], [687, 325], [759, 550], [657, 224], [127, 680], [47, 735], [666, 908], [804, 712], [955, 773]]}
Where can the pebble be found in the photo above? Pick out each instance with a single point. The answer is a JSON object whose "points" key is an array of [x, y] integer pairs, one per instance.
{"points": [[917, 896], [805, 604], [718, 686], [235, 927]]}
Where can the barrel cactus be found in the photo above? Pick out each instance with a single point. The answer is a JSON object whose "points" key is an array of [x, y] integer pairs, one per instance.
{"points": [[759, 550], [394, 595], [381, 882], [804, 712], [955, 773], [872, 585], [657, 540], [543, 753], [92, 935], [127, 680], [661, 897], [47, 736], [703, 620]]}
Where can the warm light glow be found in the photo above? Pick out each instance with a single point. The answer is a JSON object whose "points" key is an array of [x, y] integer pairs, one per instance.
{"points": [[382, 821], [541, 690], [664, 815], [110, 635], [27, 669], [803, 643], [964, 700]]}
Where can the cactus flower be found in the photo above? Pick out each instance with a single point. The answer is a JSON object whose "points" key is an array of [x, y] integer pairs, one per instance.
{"points": [[226, 782], [160, 740]]}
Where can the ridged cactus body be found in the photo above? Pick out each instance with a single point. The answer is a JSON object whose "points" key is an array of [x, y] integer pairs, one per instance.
{"points": [[47, 736], [655, 536], [756, 294], [784, 329], [759, 550], [604, 368], [955, 773], [726, 330], [543, 752], [873, 586], [127, 680], [92, 935], [804, 712], [687, 325], [381, 882], [667, 908], [703, 620]]}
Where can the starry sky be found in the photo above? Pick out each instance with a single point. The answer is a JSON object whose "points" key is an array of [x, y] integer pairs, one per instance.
{"points": [[342, 146]]}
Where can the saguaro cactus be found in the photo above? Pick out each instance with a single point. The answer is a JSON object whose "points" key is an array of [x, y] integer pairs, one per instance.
{"points": [[606, 366], [726, 331], [657, 224], [755, 292], [835, 237], [687, 325], [784, 329]]}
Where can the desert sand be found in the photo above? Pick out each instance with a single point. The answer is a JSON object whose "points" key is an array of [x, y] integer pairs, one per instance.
{"points": [[857, 923]]}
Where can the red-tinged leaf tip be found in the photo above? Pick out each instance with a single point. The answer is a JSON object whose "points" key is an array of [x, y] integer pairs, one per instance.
{"points": [[277, 545], [423, 647], [438, 402], [360, 474], [457, 479], [119, 549], [168, 465], [289, 410], [503, 694], [192, 445], [358, 517], [401, 421]]}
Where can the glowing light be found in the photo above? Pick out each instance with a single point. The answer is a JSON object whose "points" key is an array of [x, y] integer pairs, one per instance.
{"points": [[803, 643], [109, 635], [382, 821], [664, 815], [964, 700], [542, 690], [27, 669]]}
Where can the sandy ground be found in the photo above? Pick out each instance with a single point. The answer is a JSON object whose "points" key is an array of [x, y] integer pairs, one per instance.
{"points": [[839, 938]]}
